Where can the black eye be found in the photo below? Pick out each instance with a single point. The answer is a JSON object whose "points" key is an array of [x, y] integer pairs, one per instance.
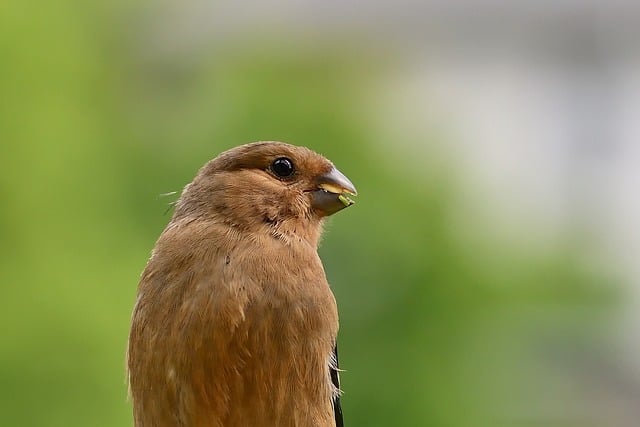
{"points": [[282, 167]]}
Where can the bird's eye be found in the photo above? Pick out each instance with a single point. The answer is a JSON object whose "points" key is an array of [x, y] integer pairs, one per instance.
{"points": [[282, 167]]}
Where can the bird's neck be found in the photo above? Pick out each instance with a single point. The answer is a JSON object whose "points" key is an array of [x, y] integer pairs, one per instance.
{"points": [[295, 231]]}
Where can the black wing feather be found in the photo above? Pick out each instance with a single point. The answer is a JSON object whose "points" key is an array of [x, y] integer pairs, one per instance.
{"points": [[335, 379]]}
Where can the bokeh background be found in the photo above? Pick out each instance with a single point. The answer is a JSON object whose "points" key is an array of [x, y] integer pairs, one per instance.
{"points": [[488, 275]]}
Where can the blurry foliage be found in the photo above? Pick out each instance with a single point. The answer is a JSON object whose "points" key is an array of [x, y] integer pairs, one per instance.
{"points": [[436, 329]]}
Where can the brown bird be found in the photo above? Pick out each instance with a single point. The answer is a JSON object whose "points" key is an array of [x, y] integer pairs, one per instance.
{"points": [[235, 323]]}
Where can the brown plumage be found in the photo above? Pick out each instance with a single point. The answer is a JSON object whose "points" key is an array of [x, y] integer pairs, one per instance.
{"points": [[235, 323]]}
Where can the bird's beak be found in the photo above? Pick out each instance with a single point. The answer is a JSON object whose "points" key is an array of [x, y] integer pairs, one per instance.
{"points": [[332, 193]]}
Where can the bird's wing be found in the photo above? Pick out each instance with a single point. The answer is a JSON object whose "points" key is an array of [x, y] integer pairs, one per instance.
{"points": [[335, 379]]}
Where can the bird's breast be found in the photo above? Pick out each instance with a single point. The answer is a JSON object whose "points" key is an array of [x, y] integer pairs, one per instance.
{"points": [[279, 345], [232, 331], [285, 288]]}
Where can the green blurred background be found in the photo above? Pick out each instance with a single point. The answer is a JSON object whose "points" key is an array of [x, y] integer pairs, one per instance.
{"points": [[444, 321]]}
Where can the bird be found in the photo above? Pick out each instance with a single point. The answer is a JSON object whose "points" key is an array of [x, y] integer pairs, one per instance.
{"points": [[234, 322]]}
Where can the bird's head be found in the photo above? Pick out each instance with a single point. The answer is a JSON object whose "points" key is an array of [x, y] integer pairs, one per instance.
{"points": [[285, 188]]}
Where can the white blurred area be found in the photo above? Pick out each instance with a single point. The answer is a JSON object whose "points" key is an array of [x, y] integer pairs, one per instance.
{"points": [[539, 102]]}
